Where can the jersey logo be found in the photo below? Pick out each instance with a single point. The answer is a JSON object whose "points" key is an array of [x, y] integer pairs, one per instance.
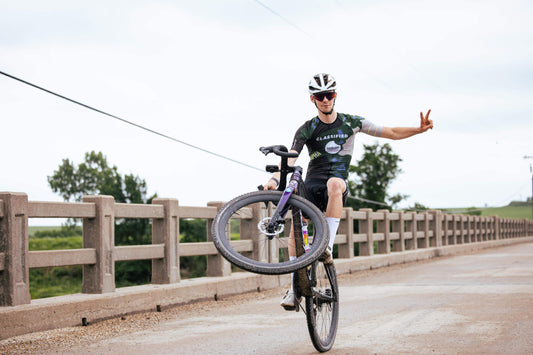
{"points": [[332, 147], [314, 155]]}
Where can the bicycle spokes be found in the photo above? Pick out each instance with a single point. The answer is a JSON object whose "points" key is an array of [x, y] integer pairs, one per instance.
{"points": [[323, 307]]}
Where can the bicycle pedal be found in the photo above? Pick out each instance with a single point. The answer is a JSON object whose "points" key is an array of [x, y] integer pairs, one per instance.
{"points": [[291, 308]]}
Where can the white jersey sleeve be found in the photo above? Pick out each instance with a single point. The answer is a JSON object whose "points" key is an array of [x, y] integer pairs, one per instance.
{"points": [[371, 129]]}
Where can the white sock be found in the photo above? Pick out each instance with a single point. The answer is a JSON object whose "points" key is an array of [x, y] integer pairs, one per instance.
{"points": [[333, 224]]}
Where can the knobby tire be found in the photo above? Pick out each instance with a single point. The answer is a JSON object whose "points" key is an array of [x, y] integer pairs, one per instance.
{"points": [[267, 263]]}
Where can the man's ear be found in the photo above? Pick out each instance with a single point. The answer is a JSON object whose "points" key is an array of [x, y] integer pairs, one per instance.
{"points": [[312, 98]]}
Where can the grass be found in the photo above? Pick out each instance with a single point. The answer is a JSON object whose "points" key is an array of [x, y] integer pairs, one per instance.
{"points": [[33, 229], [518, 212], [54, 281], [50, 243]]}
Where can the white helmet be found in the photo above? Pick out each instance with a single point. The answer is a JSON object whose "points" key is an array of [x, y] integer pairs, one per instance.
{"points": [[322, 82]]}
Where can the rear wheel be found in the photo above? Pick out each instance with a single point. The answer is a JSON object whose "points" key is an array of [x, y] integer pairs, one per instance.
{"points": [[322, 308], [245, 231]]}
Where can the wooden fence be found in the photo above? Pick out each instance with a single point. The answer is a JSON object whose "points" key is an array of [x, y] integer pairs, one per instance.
{"points": [[381, 232]]}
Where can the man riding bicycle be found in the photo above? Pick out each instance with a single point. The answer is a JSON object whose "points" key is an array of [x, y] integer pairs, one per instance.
{"points": [[329, 138]]}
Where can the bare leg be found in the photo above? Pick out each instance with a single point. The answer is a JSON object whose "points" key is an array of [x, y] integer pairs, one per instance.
{"points": [[336, 187], [291, 244]]}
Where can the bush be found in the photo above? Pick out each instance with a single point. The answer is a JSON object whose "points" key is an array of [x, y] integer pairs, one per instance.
{"points": [[61, 232]]}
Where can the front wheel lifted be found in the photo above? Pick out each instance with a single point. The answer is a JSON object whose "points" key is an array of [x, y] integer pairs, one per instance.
{"points": [[243, 233]]}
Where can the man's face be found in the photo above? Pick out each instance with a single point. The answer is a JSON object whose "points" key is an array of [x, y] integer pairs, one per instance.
{"points": [[324, 101]]}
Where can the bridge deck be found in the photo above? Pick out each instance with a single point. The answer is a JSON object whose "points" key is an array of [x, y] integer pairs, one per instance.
{"points": [[475, 303]]}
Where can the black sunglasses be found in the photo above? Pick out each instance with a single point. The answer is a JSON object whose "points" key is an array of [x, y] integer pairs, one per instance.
{"points": [[330, 95]]}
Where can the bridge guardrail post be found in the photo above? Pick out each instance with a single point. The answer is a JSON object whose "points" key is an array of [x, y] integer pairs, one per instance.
{"points": [[470, 229], [454, 230], [398, 226], [462, 229], [167, 231], [366, 226], [383, 226], [14, 270], [474, 231], [411, 227], [216, 264], [479, 228], [346, 227], [436, 227], [491, 225], [488, 228], [482, 228], [99, 233], [445, 229], [424, 242]]}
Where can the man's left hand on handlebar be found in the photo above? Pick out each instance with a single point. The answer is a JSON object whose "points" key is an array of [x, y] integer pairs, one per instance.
{"points": [[270, 185]]}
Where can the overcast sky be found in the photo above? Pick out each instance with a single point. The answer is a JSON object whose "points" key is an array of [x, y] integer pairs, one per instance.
{"points": [[230, 76]]}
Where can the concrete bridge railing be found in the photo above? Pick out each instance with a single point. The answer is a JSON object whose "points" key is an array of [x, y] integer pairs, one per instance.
{"points": [[380, 232]]}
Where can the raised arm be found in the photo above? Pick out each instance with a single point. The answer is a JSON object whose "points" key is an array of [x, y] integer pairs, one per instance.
{"points": [[406, 132]]}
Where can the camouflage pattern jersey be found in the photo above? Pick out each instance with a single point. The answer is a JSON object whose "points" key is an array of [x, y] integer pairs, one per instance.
{"points": [[331, 145]]}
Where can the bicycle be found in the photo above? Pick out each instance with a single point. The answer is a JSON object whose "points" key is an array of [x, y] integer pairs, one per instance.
{"points": [[261, 246]]}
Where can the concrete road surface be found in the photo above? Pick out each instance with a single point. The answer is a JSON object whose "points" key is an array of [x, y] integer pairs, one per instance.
{"points": [[480, 303]]}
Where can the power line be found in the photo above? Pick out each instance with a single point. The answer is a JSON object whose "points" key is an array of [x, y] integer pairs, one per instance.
{"points": [[283, 18], [368, 201], [130, 122], [153, 131], [299, 29]]}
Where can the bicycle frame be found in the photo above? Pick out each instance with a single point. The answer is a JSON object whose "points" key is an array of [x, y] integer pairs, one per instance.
{"points": [[305, 279]]}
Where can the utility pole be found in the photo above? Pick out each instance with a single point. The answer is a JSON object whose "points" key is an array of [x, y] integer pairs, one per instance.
{"points": [[531, 171]]}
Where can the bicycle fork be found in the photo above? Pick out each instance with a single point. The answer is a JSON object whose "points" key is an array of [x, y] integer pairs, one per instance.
{"points": [[278, 217]]}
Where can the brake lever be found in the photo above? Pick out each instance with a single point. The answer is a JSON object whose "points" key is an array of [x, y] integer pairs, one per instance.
{"points": [[265, 150]]}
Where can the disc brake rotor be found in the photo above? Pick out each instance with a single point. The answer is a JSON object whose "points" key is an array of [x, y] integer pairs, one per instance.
{"points": [[266, 227]]}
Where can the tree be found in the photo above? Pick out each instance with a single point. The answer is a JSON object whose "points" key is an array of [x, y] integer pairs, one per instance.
{"points": [[95, 176], [193, 230], [417, 208], [370, 179]]}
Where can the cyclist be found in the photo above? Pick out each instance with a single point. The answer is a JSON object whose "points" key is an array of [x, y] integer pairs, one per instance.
{"points": [[329, 138]]}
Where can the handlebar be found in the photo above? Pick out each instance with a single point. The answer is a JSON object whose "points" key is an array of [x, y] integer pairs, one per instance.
{"points": [[279, 150], [284, 168]]}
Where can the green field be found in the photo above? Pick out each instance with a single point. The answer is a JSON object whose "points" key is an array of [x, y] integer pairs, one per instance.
{"points": [[518, 212], [515, 209], [33, 229]]}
